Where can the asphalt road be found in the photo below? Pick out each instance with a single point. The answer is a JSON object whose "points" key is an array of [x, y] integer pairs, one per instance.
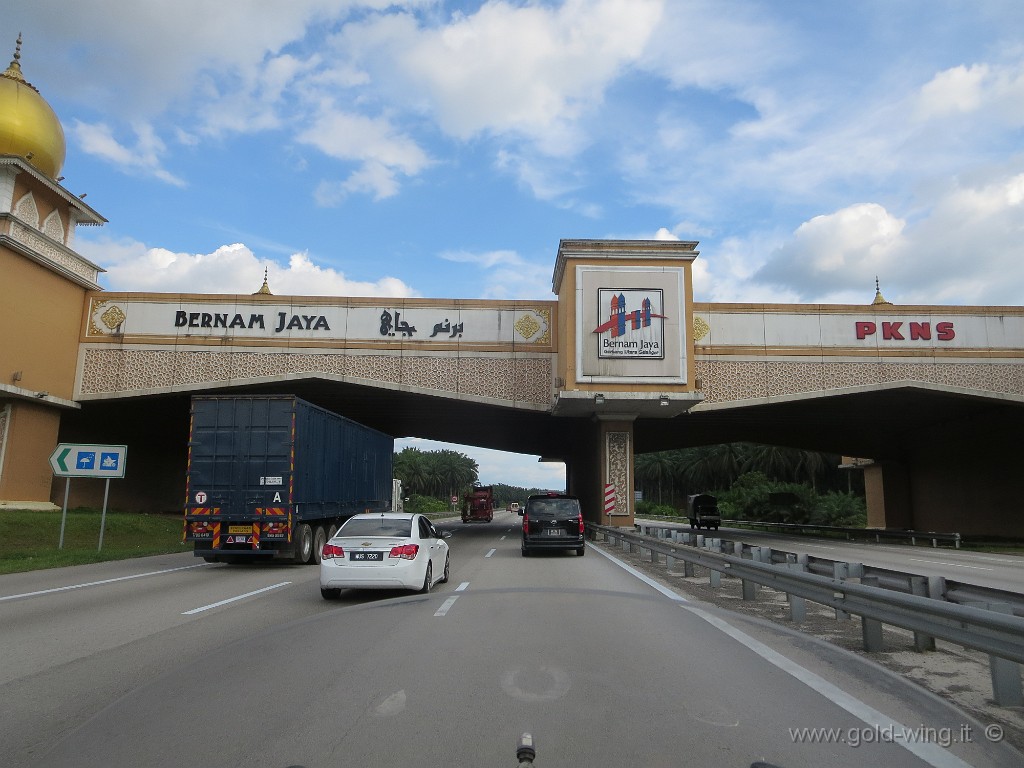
{"points": [[168, 662]]}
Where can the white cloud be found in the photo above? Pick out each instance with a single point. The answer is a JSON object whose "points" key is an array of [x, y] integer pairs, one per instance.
{"points": [[506, 275], [980, 91], [529, 71], [969, 232], [232, 269], [144, 159], [383, 151]]}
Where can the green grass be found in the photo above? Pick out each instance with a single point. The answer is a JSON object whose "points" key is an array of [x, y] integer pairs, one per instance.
{"points": [[29, 538]]}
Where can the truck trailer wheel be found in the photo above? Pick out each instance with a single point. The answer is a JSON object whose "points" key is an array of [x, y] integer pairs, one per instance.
{"points": [[319, 539], [303, 543]]}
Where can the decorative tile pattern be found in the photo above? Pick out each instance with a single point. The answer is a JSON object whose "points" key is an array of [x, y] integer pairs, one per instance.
{"points": [[723, 381], [26, 210], [54, 252], [618, 454], [53, 227], [526, 380]]}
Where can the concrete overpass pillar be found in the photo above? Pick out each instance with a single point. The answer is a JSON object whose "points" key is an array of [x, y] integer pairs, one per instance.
{"points": [[887, 490], [603, 456]]}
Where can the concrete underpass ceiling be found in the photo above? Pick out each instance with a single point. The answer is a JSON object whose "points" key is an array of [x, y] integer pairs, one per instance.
{"points": [[871, 423]]}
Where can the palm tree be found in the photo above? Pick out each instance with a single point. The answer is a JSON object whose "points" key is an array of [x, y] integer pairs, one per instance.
{"points": [[656, 468]]}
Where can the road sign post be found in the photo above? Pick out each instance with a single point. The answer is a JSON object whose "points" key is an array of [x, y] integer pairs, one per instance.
{"points": [[87, 460]]}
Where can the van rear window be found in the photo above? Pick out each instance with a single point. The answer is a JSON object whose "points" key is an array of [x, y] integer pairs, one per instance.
{"points": [[553, 508]]}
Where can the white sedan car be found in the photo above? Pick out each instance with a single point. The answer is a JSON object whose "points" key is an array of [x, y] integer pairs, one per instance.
{"points": [[384, 551]]}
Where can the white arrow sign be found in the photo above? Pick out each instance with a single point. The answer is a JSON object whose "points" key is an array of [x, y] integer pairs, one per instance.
{"points": [[73, 460]]}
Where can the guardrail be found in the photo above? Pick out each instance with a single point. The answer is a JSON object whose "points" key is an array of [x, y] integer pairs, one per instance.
{"points": [[990, 627], [901, 581], [851, 534]]}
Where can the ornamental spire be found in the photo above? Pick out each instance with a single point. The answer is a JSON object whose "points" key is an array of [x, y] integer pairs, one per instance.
{"points": [[879, 298], [13, 71], [265, 288]]}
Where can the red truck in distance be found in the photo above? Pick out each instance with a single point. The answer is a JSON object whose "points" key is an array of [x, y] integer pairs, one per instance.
{"points": [[478, 505]]}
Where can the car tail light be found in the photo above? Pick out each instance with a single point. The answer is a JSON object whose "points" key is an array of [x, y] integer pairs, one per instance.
{"points": [[581, 525], [526, 523], [332, 550], [406, 551]]}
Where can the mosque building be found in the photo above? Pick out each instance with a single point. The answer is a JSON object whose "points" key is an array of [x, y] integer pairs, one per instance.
{"points": [[44, 285]]}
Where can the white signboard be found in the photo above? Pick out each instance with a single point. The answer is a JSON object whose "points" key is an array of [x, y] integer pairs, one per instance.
{"points": [[930, 328], [73, 460], [630, 325], [398, 322]]}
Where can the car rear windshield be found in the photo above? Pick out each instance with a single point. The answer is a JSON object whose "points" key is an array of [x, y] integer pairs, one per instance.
{"points": [[376, 526], [553, 508]]}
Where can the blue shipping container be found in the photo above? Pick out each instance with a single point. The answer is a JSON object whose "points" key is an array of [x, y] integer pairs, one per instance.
{"points": [[273, 476]]}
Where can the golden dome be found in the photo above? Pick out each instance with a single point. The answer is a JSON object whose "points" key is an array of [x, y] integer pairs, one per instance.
{"points": [[29, 128]]}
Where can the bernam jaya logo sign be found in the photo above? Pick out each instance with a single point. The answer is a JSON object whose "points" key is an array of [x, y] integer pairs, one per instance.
{"points": [[632, 333]]}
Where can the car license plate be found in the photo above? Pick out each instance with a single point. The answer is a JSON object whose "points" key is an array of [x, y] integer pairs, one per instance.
{"points": [[366, 555], [239, 529], [553, 532]]}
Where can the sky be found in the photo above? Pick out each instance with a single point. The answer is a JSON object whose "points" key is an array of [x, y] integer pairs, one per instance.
{"points": [[442, 149]]}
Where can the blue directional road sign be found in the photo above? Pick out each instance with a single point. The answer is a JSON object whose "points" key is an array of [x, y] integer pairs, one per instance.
{"points": [[71, 460]]}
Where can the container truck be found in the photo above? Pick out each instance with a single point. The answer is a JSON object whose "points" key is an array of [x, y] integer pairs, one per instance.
{"points": [[478, 505], [272, 477]]}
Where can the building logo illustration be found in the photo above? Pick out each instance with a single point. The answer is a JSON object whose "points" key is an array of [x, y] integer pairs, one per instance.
{"points": [[634, 327]]}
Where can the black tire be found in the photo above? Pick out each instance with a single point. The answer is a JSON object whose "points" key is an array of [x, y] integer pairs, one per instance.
{"points": [[425, 589], [581, 552], [303, 544], [330, 594], [319, 539], [330, 533], [212, 559], [447, 568], [526, 552]]}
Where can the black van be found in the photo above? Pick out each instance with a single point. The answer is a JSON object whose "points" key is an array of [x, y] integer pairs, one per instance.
{"points": [[552, 521]]}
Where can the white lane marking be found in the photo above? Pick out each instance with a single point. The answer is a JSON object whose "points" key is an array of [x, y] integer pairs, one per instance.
{"points": [[930, 753], [98, 583], [949, 565], [646, 580], [234, 599], [462, 586], [446, 605], [501, 539], [490, 553]]}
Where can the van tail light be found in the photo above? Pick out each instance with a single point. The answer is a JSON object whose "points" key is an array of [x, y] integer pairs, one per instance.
{"points": [[526, 523], [406, 551], [582, 528], [332, 550]]}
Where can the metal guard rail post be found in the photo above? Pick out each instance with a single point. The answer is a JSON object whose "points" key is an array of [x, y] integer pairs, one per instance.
{"points": [[1001, 635], [950, 590], [866, 533]]}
